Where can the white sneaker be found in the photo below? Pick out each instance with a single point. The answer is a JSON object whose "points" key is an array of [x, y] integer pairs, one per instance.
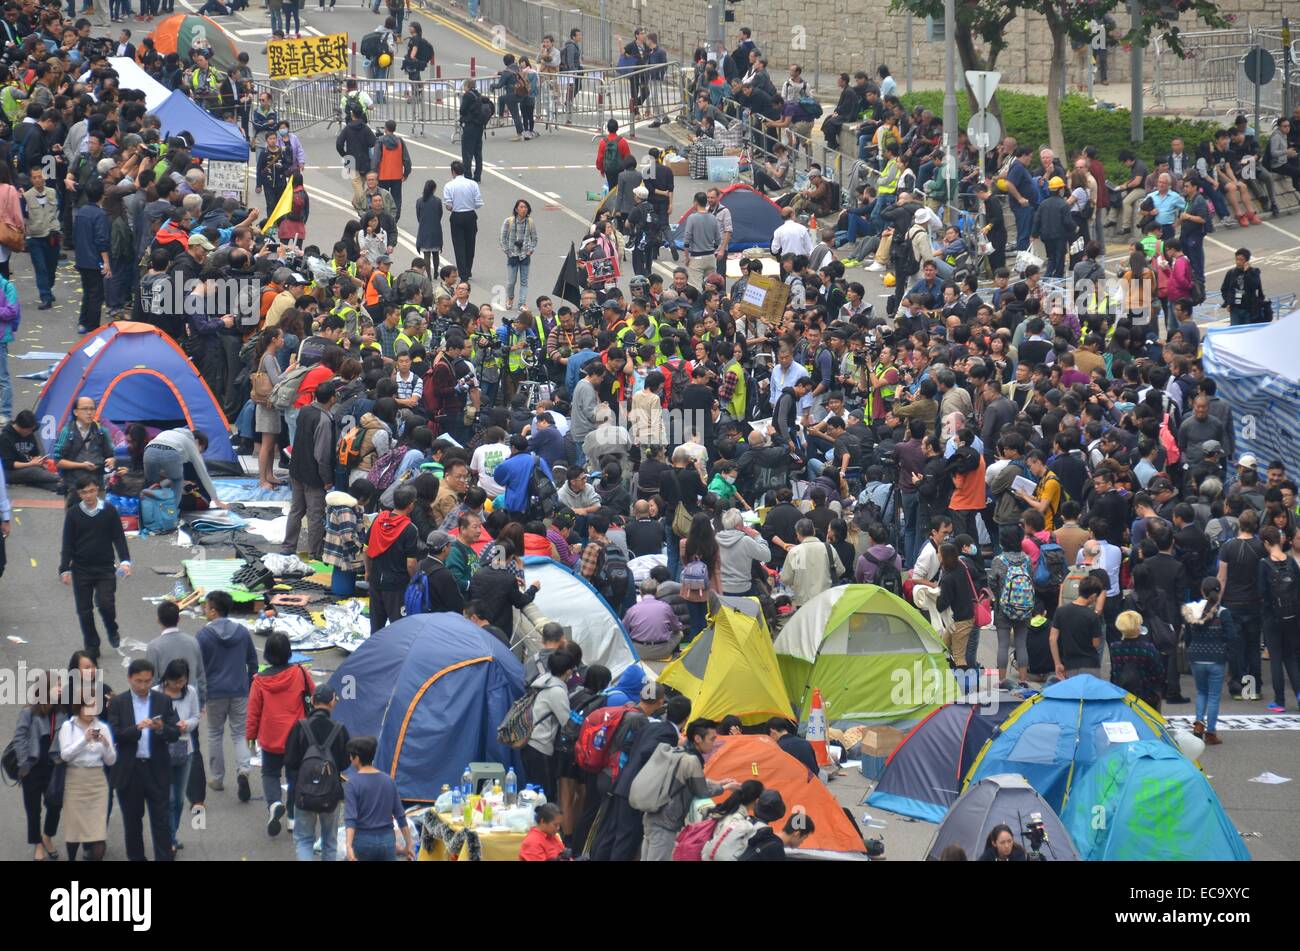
{"points": [[875, 266], [276, 810]]}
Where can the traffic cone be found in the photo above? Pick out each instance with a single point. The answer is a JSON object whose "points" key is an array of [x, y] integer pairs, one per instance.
{"points": [[812, 224], [817, 729]]}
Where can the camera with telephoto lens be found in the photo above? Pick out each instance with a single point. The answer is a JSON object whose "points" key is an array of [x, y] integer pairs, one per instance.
{"points": [[1036, 835], [485, 342]]}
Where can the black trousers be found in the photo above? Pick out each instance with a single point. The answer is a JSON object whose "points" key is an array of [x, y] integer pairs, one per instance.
{"points": [[89, 590], [621, 831], [92, 300], [540, 769], [34, 784], [464, 235], [471, 150], [146, 789], [386, 607], [395, 189]]}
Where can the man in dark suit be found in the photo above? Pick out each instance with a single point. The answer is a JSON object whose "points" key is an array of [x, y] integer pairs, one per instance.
{"points": [[143, 723]]}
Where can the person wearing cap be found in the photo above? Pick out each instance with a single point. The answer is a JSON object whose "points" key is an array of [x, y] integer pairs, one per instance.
{"points": [[317, 729], [768, 844], [1054, 224], [444, 593]]}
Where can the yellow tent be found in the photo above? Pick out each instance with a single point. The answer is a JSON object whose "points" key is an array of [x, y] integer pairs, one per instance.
{"points": [[731, 667]]}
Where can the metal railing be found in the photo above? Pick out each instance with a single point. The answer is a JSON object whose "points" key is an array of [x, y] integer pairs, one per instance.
{"points": [[1211, 71]]}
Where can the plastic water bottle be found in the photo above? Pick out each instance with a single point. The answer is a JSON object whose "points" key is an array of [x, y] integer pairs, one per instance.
{"points": [[457, 799], [512, 787], [466, 783], [178, 590]]}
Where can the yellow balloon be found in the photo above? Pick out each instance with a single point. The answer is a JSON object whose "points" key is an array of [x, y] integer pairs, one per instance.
{"points": [[385, 60], [889, 279]]}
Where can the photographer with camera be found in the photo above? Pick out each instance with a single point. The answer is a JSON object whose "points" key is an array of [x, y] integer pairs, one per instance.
{"points": [[518, 339]]}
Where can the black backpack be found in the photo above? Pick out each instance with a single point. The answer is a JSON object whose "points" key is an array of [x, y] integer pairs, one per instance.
{"points": [[371, 43], [617, 575], [887, 574], [677, 383], [1282, 584], [905, 262], [319, 787], [486, 109]]}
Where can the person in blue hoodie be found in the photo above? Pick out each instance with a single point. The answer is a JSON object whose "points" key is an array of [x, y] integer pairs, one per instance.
{"points": [[230, 660], [627, 689]]}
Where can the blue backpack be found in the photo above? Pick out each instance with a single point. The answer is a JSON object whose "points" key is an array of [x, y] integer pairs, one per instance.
{"points": [[1051, 569], [417, 596], [158, 514]]}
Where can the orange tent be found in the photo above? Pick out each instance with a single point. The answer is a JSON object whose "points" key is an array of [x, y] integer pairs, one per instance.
{"points": [[758, 757]]}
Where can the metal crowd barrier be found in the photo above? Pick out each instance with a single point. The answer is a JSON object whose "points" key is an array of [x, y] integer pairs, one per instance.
{"points": [[1184, 77]]}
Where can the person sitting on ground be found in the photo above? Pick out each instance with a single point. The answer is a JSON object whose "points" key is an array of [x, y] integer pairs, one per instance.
{"points": [[653, 625]]}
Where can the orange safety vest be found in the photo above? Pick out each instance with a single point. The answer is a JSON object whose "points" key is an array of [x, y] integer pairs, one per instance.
{"points": [[390, 164], [372, 291]]}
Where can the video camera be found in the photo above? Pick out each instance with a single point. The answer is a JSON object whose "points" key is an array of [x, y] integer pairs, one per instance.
{"points": [[1035, 834]]}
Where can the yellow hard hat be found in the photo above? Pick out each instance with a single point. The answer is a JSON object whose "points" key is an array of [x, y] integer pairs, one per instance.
{"points": [[385, 60], [1002, 184], [889, 279], [1056, 182]]}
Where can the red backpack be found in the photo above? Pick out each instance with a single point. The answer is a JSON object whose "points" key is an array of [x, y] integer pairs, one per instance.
{"points": [[691, 841], [594, 751]]}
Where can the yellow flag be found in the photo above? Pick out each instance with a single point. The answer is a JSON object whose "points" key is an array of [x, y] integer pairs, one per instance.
{"points": [[282, 208]]}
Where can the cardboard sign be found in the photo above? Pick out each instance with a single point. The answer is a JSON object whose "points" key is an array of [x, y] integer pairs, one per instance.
{"points": [[765, 297], [228, 179], [309, 56], [601, 271]]}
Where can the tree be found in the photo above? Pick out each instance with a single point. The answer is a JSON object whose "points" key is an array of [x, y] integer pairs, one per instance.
{"points": [[986, 21]]}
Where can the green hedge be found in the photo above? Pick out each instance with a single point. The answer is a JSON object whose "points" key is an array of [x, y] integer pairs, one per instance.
{"points": [[1025, 117]]}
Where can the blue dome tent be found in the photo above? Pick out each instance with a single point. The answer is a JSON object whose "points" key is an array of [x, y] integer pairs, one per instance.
{"points": [[135, 373], [1158, 806], [754, 217], [213, 139], [432, 689], [1052, 737]]}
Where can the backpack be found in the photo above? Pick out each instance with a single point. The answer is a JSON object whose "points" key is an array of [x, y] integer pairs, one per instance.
{"points": [[582, 702], [1017, 599], [349, 452], [286, 388], [486, 109], [887, 574], [677, 383], [371, 44], [517, 727], [416, 600], [158, 515], [905, 262], [1073, 578], [1051, 569], [354, 104], [319, 787], [520, 88], [385, 468], [691, 841], [617, 575], [812, 109], [594, 746], [1282, 586], [654, 785], [730, 838], [695, 582]]}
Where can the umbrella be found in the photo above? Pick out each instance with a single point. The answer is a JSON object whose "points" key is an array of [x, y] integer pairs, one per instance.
{"points": [[178, 33]]}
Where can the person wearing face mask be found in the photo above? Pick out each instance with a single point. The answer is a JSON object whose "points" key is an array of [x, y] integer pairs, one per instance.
{"points": [[293, 145]]}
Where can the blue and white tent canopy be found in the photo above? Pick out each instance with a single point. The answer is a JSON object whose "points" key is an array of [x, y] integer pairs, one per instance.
{"points": [[1256, 371]]}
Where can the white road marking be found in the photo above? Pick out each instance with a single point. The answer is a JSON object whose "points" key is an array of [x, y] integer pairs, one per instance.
{"points": [[404, 238], [552, 195]]}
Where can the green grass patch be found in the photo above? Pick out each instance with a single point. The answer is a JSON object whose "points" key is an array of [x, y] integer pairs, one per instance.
{"points": [[1025, 117]]}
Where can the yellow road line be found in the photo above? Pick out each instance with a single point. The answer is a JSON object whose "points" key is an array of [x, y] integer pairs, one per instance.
{"points": [[459, 30]]}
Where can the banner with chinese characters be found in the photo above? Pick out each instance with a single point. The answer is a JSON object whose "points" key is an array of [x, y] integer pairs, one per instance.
{"points": [[309, 56]]}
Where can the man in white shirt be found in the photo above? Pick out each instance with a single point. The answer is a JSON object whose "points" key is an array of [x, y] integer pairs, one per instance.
{"points": [[811, 566], [487, 457], [784, 374], [462, 199], [791, 237]]}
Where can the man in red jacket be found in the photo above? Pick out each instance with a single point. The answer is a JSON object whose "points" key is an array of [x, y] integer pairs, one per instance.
{"points": [[610, 153]]}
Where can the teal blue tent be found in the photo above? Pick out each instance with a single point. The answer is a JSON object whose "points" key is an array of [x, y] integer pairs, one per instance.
{"points": [[1052, 737], [1147, 801]]}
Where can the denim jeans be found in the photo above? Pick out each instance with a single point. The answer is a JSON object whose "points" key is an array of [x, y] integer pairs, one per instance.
{"points": [[277, 20], [699, 618], [305, 827], [1194, 249], [246, 421], [1024, 222], [374, 845], [290, 14], [272, 766], [6, 386], [161, 463], [517, 272], [180, 779], [291, 422], [859, 226], [473, 8], [1209, 691], [674, 554], [911, 530], [221, 710], [45, 259], [882, 204]]}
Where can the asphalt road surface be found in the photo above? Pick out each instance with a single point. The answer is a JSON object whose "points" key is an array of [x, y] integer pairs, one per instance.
{"points": [[37, 623]]}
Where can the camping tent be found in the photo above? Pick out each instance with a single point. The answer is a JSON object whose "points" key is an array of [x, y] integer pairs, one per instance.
{"points": [[1053, 736], [1158, 806], [874, 657], [731, 667], [135, 373], [213, 139], [758, 757], [131, 75], [997, 800], [588, 620], [754, 217], [181, 32], [432, 688], [922, 777], [1256, 374]]}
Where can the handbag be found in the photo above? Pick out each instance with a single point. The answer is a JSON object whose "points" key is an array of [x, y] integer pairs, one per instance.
{"points": [[681, 521], [261, 388], [983, 603], [307, 693], [11, 236], [883, 249]]}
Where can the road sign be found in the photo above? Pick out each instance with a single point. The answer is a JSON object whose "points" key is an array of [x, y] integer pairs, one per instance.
{"points": [[1259, 66], [984, 130], [983, 84]]}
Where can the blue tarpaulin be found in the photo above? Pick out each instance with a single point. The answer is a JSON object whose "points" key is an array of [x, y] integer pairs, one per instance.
{"points": [[213, 139]]}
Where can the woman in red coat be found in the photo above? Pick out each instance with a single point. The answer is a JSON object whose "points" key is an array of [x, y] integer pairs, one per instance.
{"points": [[275, 704], [543, 844]]}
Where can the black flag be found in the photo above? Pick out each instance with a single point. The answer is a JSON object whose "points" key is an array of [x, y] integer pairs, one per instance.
{"points": [[568, 285]]}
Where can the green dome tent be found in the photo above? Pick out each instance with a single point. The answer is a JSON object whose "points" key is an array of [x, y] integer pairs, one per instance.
{"points": [[873, 656]]}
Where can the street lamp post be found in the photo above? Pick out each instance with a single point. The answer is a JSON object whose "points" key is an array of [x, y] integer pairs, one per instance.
{"points": [[950, 99]]}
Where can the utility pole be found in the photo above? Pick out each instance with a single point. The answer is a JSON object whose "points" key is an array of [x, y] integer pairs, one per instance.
{"points": [[907, 38], [951, 79], [1135, 80], [1286, 70]]}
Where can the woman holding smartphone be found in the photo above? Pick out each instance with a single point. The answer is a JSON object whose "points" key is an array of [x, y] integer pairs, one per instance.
{"points": [[86, 749]]}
